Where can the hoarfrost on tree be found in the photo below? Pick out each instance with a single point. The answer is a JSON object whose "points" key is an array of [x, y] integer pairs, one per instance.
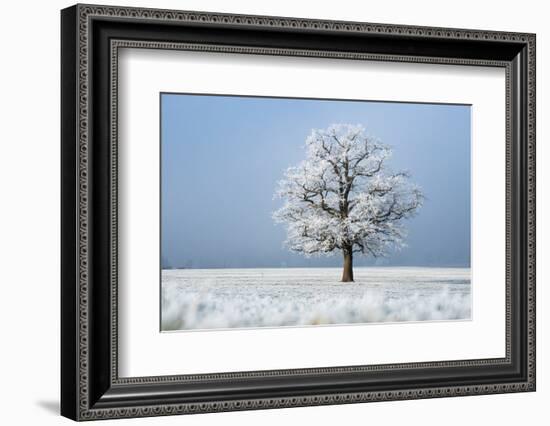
{"points": [[344, 198]]}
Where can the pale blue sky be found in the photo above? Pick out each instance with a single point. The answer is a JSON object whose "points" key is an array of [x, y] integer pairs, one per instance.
{"points": [[222, 157]]}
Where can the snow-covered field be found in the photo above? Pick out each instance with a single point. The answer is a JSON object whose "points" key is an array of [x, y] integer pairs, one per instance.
{"points": [[235, 298]]}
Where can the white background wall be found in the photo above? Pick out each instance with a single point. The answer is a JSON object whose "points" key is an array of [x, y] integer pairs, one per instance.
{"points": [[29, 212]]}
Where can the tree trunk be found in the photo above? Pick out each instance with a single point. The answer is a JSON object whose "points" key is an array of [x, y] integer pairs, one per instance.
{"points": [[347, 275]]}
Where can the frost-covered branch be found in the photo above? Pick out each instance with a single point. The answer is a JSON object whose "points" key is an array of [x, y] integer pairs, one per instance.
{"points": [[344, 196]]}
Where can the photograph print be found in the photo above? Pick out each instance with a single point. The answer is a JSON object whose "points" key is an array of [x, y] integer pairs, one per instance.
{"points": [[279, 212]]}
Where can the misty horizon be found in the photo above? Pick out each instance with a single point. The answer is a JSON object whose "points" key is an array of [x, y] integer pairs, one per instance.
{"points": [[169, 267]]}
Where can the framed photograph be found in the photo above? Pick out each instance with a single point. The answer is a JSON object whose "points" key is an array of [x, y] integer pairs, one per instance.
{"points": [[263, 212]]}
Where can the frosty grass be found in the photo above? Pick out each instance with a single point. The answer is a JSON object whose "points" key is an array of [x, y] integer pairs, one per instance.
{"points": [[236, 298]]}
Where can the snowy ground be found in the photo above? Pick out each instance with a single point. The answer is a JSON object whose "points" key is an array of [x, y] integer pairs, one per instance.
{"points": [[234, 298]]}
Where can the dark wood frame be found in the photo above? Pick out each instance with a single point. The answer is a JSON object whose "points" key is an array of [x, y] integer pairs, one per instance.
{"points": [[90, 386]]}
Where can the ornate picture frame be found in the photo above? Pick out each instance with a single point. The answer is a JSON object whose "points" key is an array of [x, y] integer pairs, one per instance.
{"points": [[91, 37]]}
